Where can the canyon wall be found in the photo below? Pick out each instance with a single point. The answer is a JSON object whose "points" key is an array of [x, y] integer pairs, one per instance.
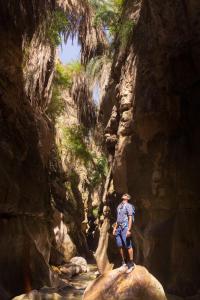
{"points": [[35, 206], [26, 70], [151, 113]]}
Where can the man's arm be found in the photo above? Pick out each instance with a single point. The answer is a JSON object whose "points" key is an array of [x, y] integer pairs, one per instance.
{"points": [[130, 222], [115, 228]]}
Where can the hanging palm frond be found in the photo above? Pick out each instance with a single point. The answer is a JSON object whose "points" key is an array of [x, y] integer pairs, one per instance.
{"points": [[81, 93], [91, 38], [96, 65], [24, 15]]}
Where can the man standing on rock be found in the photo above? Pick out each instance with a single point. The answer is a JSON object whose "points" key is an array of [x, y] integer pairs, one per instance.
{"points": [[122, 230]]}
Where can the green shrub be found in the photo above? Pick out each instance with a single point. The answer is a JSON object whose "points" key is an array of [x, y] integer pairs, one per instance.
{"points": [[125, 32], [64, 73], [57, 105], [63, 79], [99, 171], [74, 142], [75, 68], [95, 212]]}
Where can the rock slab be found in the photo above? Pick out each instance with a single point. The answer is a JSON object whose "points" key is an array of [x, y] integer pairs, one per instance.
{"points": [[118, 284]]}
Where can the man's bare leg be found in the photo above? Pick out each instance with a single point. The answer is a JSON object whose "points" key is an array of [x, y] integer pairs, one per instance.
{"points": [[130, 253], [122, 254], [121, 251], [130, 264]]}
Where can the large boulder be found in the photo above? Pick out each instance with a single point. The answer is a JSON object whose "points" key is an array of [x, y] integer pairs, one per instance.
{"points": [[138, 284]]}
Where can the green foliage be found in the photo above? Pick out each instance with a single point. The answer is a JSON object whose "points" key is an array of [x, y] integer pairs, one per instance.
{"points": [[99, 172], [74, 142], [95, 212], [125, 32], [57, 104], [64, 73], [62, 76], [63, 79], [58, 25], [75, 67], [109, 14], [95, 65]]}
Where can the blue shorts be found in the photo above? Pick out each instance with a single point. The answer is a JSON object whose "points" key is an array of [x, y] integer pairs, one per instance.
{"points": [[121, 239]]}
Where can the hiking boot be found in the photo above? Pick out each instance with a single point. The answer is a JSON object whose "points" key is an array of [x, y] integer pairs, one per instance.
{"points": [[123, 266], [131, 266]]}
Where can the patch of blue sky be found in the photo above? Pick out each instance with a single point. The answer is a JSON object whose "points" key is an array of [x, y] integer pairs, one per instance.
{"points": [[70, 51], [96, 94]]}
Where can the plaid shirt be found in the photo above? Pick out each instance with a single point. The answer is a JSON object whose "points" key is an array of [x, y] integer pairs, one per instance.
{"points": [[124, 210]]}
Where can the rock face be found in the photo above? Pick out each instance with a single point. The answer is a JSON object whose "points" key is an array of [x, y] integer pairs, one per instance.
{"points": [[24, 146], [152, 102], [138, 284], [101, 251], [63, 242], [72, 190]]}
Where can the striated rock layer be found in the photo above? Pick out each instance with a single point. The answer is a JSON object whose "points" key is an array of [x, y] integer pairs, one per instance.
{"points": [[151, 110]]}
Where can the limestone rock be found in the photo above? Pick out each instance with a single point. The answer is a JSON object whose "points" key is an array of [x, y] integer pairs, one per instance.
{"points": [[111, 141], [138, 284], [80, 261], [76, 266], [101, 255], [62, 238], [112, 125], [70, 270]]}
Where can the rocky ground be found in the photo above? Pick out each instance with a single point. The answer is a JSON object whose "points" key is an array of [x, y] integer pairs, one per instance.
{"points": [[117, 284], [68, 288]]}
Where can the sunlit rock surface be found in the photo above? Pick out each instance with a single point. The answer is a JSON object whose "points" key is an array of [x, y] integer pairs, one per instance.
{"points": [[138, 284], [71, 289]]}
